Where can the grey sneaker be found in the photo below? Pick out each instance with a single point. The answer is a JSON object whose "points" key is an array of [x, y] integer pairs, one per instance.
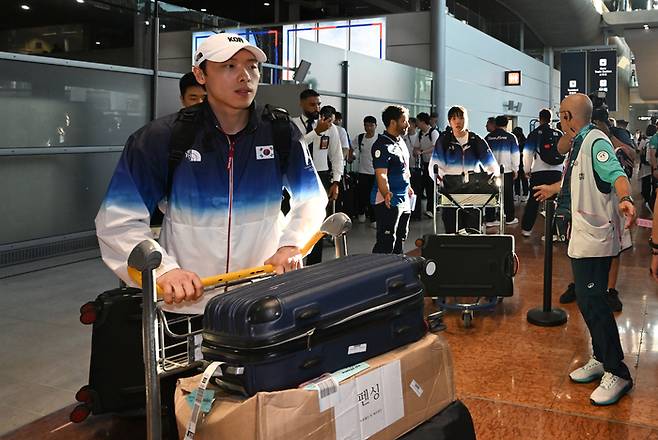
{"points": [[611, 389], [589, 372]]}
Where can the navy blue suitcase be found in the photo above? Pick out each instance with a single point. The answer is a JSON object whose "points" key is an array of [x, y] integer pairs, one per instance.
{"points": [[280, 332]]}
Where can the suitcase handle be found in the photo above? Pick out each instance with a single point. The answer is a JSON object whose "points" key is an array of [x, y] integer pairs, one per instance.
{"points": [[308, 313], [396, 285]]}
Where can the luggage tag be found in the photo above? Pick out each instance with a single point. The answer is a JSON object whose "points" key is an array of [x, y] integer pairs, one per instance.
{"points": [[324, 142], [465, 177], [199, 397]]}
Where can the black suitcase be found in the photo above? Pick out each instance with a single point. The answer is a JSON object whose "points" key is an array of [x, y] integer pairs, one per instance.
{"points": [[116, 366], [280, 332], [469, 265], [452, 423]]}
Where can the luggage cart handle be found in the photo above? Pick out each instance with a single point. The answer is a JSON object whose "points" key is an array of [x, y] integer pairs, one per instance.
{"points": [[336, 225]]}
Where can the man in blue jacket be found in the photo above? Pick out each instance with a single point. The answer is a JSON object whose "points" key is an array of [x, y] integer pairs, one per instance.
{"points": [[392, 190], [223, 210]]}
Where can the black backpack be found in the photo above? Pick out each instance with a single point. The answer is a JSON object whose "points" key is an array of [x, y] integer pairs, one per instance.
{"points": [[186, 125], [547, 146]]}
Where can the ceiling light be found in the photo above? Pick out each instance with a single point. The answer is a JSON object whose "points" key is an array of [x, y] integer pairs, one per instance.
{"points": [[204, 10], [25, 7], [147, 22], [80, 1], [98, 43], [646, 27], [266, 4], [164, 26]]}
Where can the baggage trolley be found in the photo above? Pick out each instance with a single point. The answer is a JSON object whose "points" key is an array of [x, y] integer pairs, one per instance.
{"points": [[161, 360], [461, 202]]}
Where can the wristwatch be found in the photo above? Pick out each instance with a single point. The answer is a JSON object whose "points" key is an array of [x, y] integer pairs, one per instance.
{"points": [[627, 199]]}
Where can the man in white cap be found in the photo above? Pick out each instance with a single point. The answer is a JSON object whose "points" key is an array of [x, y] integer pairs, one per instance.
{"points": [[223, 198]]}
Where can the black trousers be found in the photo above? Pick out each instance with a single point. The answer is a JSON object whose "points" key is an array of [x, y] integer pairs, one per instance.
{"points": [[364, 186], [417, 186], [521, 183], [508, 198], [647, 189], [429, 187], [392, 229], [468, 218], [532, 206], [591, 278], [315, 256]]}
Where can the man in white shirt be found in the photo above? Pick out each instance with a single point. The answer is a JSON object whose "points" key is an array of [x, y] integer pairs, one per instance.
{"points": [[415, 165], [344, 138], [323, 141], [362, 149], [427, 138]]}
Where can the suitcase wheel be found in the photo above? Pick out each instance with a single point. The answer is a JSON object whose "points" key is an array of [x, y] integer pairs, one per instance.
{"points": [[88, 313], [80, 413]]}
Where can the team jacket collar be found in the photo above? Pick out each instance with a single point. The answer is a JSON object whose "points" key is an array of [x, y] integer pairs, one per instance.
{"points": [[252, 123]]}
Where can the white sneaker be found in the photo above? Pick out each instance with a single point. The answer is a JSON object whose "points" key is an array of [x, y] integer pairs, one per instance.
{"points": [[514, 221], [556, 238], [429, 214], [493, 223], [526, 233], [362, 218], [524, 199], [589, 372], [373, 225], [611, 389]]}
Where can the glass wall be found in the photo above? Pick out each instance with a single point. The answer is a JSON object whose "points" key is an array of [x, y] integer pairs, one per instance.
{"points": [[366, 36], [45, 105]]}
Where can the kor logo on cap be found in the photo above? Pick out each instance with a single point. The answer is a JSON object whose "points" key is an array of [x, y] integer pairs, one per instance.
{"points": [[235, 39]]}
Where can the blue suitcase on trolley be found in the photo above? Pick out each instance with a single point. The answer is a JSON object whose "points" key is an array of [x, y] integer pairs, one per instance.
{"points": [[280, 332]]}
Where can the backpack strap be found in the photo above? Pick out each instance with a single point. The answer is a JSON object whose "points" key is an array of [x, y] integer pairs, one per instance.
{"points": [[182, 136], [360, 139], [281, 133]]}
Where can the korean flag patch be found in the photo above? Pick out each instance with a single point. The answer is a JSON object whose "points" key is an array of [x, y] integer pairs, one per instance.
{"points": [[264, 152], [602, 156]]}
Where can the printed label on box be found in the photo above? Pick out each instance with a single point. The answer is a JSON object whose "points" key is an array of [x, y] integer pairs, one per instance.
{"points": [[370, 403], [416, 388], [327, 388]]}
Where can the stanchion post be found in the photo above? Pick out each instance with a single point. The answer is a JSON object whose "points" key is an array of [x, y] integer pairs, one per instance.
{"points": [[546, 316]]}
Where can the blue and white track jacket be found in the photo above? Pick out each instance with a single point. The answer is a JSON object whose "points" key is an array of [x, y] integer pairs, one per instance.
{"points": [[223, 213], [505, 149], [454, 159]]}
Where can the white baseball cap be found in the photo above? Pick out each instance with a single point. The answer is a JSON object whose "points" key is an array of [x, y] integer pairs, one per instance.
{"points": [[221, 47]]}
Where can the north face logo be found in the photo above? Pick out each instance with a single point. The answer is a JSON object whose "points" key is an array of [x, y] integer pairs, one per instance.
{"points": [[235, 39]]}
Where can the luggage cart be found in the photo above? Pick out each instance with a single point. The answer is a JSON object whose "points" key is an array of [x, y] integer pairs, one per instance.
{"points": [[474, 202], [182, 354]]}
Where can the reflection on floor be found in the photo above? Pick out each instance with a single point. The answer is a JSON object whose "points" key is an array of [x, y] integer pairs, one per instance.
{"points": [[511, 375]]}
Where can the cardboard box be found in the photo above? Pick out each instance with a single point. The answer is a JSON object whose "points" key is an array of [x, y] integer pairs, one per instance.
{"points": [[395, 392]]}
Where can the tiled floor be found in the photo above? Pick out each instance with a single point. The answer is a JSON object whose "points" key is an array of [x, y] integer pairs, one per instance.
{"points": [[511, 375]]}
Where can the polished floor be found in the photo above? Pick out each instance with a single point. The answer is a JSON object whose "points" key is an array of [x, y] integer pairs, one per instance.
{"points": [[511, 375]]}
